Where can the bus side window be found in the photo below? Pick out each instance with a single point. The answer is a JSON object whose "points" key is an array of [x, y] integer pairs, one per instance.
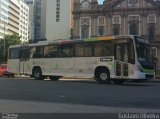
{"points": [[52, 53], [33, 52], [24, 55], [66, 51], [46, 52], [118, 52], [14, 53], [84, 50], [103, 49], [37, 52]]}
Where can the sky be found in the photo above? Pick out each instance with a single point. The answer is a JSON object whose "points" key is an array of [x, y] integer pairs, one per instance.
{"points": [[100, 1]]}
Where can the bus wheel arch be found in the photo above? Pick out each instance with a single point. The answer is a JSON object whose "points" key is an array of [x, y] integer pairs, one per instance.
{"points": [[37, 73], [102, 75]]}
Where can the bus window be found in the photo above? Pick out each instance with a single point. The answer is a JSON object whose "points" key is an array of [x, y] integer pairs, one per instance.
{"points": [[125, 52], [53, 52], [37, 52], [66, 51], [84, 50], [24, 55], [131, 53], [33, 52], [103, 49], [118, 52], [46, 51], [126, 55], [121, 52], [14, 53]]}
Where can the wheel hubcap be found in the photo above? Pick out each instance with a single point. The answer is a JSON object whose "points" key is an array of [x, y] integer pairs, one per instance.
{"points": [[37, 74], [103, 76]]}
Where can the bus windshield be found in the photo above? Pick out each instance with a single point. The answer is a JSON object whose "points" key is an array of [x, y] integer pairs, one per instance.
{"points": [[143, 52]]}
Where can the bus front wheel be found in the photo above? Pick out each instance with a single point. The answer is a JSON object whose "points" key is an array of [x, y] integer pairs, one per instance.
{"points": [[103, 76], [37, 73]]}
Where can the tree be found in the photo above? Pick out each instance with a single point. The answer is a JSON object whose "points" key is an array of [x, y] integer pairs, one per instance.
{"points": [[13, 39]]}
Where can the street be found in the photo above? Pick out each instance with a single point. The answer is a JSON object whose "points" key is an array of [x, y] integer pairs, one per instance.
{"points": [[70, 94]]}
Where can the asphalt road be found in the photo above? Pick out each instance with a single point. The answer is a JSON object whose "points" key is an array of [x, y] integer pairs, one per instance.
{"points": [[74, 96]]}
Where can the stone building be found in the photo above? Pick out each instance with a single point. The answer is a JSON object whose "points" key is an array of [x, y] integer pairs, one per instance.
{"points": [[119, 17]]}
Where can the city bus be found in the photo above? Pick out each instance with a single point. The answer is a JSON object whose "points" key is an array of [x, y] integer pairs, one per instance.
{"points": [[106, 59]]}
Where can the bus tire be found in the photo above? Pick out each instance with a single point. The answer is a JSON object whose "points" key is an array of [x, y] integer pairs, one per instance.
{"points": [[119, 81], [55, 78], [103, 76], [37, 73]]}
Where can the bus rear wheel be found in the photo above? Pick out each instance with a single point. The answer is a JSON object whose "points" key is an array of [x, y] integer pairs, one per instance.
{"points": [[37, 73], [55, 78], [119, 81], [103, 76]]}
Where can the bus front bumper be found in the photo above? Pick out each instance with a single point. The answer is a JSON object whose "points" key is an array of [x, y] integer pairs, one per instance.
{"points": [[141, 75]]}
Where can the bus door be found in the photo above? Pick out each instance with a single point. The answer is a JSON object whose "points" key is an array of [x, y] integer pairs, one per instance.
{"points": [[121, 60], [23, 59]]}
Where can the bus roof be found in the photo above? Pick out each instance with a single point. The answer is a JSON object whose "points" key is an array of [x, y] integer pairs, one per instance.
{"points": [[69, 41]]}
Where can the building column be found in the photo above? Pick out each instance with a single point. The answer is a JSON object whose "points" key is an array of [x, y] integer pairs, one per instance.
{"points": [[109, 24], [93, 26], [76, 28]]}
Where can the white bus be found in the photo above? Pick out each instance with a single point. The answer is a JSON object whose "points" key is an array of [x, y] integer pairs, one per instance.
{"points": [[114, 58]]}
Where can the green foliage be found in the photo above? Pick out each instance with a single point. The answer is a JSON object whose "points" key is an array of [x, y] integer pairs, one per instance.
{"points": [[9, 40]]}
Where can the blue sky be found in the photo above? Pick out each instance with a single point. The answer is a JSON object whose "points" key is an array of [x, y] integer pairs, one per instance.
{"points": [[100, 1]]}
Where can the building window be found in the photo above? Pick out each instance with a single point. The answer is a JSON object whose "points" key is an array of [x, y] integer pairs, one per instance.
{"points": [[116, 23], [101, 30], [134, 28], [133, 2], [58, 11], [101, 26], [85, 4], [134, 24], [85, 28], [151, 18], [116, 29], [84, 31], [154, 51], [116, 19], [151, 32]]}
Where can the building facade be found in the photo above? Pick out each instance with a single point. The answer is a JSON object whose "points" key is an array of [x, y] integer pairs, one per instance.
{"points": [[37, 20], [24, 21], [119, 17], [3, 17], [31, 27], [14, 18], [53, 19]]}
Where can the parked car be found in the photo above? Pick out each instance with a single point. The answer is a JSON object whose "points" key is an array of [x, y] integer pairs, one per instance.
{"points": [[4, 71]]}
